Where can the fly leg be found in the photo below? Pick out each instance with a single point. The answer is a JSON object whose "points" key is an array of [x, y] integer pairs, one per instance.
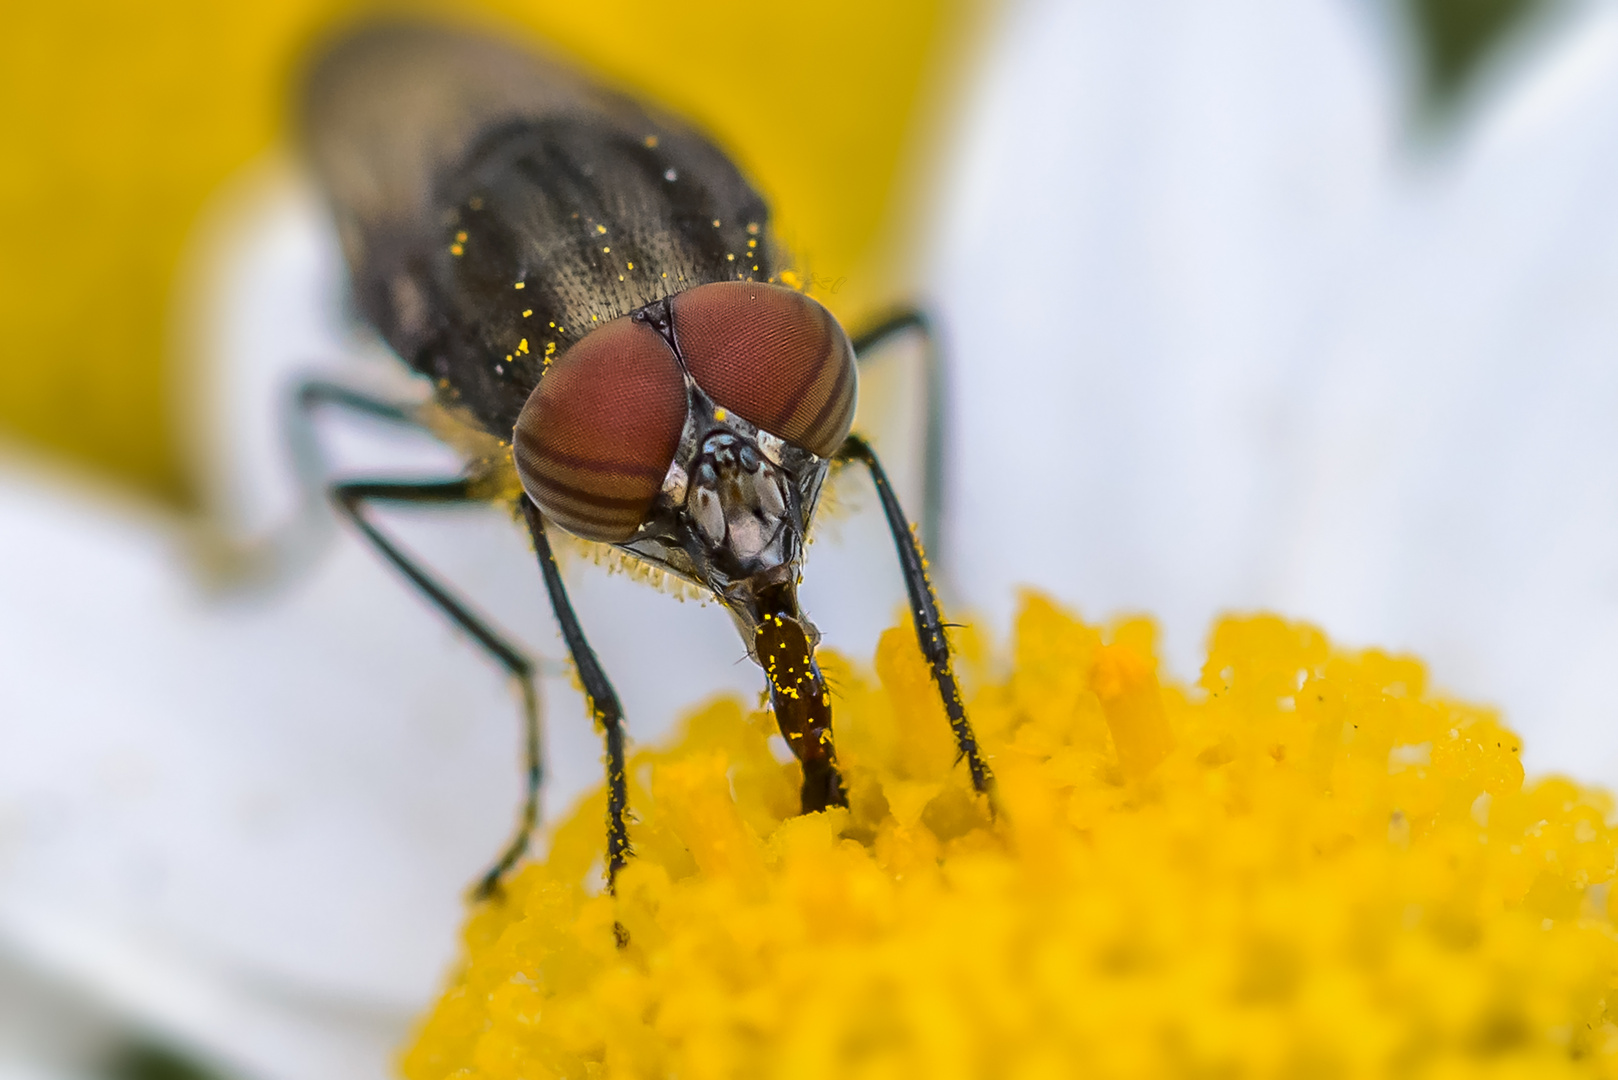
{"points": [[312, 394], [924, 612], [598, 693], [292, 545], [351, 498], [893, 326]]}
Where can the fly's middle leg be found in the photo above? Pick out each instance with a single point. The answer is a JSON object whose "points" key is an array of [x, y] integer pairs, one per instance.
{"points": [[351, 498]]}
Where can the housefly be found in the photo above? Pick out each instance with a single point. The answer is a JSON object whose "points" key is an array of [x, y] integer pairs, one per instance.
{"points": [[592, 289]]}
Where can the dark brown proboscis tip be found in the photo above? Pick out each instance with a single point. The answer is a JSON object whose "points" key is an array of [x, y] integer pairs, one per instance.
{"points": [[802, 708], [777, 358], [595, 439]]}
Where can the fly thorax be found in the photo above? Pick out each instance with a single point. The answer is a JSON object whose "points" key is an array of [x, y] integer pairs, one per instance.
{"points": [[737, 500]]}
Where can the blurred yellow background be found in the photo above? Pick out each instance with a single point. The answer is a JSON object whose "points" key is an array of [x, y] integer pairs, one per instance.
{"points": [[119, 121]]}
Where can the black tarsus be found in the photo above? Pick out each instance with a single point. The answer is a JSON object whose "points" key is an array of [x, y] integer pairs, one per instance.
{"points": [[924, 612], [349, 497], [599, 696], [892, 325]]}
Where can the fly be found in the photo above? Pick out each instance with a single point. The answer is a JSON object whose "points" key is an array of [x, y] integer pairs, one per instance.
{"points": [[593, 290]]}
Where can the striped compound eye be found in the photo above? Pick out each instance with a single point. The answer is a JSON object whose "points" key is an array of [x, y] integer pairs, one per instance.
{"points": [[774, 356], [595, 439]]}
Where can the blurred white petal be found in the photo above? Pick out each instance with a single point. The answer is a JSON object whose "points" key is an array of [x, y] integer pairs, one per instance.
{"points": [[1228, 338], [1459, 495], [1155, 203]]}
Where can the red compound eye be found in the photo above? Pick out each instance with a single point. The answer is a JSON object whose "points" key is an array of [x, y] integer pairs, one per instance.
{"points": [[597, 435], [774, 356]]}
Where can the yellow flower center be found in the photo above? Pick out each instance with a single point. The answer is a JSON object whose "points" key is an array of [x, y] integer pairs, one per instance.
{"points": [[1303, 864]]}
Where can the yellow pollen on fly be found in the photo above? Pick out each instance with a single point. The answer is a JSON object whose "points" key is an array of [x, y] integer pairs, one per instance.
{"points": [[606, 250], [601, 228], [752, 227], [651, 142], [522, 346], [630, 265], [518, 285], [721, 415], [529, 311], [716, 223]]}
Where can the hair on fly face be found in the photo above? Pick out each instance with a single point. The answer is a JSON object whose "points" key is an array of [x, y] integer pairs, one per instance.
{"points": [[616, 561]]}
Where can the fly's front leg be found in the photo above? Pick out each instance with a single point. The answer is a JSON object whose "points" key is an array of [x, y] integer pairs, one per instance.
{"points": [[599, 696], [923, 612], [351, 499], [898, 324]]}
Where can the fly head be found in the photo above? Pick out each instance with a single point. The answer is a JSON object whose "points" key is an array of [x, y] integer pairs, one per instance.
{"points": [[695, 434]]}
